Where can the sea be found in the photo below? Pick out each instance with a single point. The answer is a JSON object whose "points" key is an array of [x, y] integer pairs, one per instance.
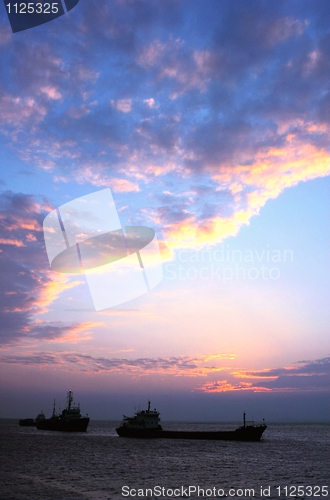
{"points": [[292, 461]]}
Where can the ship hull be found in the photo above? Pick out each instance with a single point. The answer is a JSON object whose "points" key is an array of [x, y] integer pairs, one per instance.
{"points": [[138, 433], [250, 433], [27, 422], [58, 424]]}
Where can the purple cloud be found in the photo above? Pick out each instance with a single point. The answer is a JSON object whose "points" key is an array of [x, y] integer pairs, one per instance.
{"points": [[303, 376], [175, 365], [26, 285]]}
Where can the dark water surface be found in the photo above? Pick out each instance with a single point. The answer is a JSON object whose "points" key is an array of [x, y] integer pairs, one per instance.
{"points": [[97, 464]]}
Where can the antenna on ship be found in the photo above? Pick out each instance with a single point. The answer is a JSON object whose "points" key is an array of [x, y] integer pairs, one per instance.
{"points": [[244, 419], [54, 410], [148, 406]]}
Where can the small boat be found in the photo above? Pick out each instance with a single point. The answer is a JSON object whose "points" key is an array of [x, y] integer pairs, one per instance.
{"points": [[145, 424], [27, 422], [31, 422], [70, 420]]}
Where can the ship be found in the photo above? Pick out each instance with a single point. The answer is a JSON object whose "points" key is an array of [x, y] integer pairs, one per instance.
{"points": [[146, 424], [70, 420], [31, 422], [27, 422]]}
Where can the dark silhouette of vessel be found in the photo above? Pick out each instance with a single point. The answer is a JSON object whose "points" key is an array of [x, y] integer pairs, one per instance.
{"points": [[27, 422], [70, 420], [31, 422], [145, 424]]}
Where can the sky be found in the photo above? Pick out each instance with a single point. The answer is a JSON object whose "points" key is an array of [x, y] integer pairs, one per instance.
{"points": [[209, 122]]}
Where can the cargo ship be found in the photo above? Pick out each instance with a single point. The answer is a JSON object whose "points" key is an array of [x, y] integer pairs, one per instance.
{"points": [[146, 425], [70, 420]]}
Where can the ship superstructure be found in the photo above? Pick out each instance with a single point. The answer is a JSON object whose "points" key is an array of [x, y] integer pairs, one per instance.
{"points": [[144, 424]]}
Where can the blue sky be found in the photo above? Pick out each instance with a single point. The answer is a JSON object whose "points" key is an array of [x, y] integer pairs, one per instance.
{"points": [[209, 122]]}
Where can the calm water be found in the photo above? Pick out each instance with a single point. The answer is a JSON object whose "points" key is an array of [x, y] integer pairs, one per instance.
{"points": [[96, 465]]}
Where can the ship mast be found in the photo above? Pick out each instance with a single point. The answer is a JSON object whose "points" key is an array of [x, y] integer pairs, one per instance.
{"points": [[70, 399]]}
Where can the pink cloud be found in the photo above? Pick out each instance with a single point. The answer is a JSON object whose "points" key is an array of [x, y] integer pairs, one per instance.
{"points": [[51, 92], [150, 103], [97, 176], [282, 28], [28, 287], [183, 366], [151, 54], [8, 241], [302, 376], [173, 60], [124, 105], [14, 111], [85, 74]]}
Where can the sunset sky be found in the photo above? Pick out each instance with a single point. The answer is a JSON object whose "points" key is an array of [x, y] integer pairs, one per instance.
{"points": [[209, 122]]}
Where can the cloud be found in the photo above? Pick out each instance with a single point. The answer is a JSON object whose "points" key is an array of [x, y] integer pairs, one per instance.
{"points": [[61, 333], [303, 376], [8, 241], [28, 287], [239, 104], [252, 180], [51, 92], [308, 368], [17, 111], [225, 386], [93, 174], [124, 105], [150, 102], [173, 61], [175, 366]]}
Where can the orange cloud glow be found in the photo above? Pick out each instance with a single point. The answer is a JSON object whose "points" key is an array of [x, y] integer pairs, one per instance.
{"points": [[271, 172], [50, 291], [302, 376], [8, 241], [78, 333], [225, 386]]}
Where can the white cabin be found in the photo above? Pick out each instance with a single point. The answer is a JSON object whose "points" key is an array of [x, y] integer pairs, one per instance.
{"points": [[145, 419]]}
